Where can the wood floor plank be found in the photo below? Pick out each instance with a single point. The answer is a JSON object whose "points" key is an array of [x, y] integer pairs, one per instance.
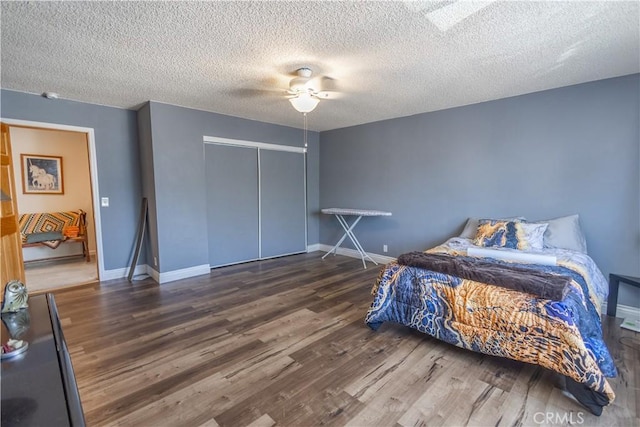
{"points": [[392, 387], [339, 363], [283, 342]]}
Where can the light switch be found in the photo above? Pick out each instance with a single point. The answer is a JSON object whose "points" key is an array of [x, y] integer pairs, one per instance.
{"points": [[104, 202]]}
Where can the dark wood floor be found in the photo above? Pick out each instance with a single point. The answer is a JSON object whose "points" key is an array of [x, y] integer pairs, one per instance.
{"points": [[283, 342]]}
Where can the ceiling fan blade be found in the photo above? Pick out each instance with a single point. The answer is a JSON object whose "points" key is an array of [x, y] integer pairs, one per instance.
{"points": [[316, 83], [329, 84], [328, 94]]}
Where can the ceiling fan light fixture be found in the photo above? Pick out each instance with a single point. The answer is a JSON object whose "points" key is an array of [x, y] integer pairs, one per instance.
{"points": [[304, 102], [302, 81], [299, 84]]}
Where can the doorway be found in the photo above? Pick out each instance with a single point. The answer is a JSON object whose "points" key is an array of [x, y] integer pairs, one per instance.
{"points": [[48, 269]]}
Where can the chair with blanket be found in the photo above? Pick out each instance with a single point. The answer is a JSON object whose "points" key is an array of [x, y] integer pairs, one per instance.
{"points": [[51, 229]]}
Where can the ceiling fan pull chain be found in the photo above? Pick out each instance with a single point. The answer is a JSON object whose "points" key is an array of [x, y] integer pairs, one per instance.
{"points": [[304, 115]]}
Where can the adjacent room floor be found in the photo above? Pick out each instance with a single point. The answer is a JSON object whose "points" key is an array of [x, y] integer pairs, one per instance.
{"points": [[45, 276]]}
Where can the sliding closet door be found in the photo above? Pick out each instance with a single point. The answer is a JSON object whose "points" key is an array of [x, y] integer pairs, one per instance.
{"points": [[232, 204], [282, 203]]}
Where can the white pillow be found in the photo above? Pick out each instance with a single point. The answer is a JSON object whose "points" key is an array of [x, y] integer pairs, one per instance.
{"points": [[471, 227], [565, 233], [516, 256]]}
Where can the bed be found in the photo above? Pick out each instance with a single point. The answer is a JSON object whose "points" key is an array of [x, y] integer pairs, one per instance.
{"points": [[563, 334]]}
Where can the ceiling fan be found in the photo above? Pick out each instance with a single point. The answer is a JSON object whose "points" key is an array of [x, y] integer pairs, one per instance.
{"points": [[304, 93]]}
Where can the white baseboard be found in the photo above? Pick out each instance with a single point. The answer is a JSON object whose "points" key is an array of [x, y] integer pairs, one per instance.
{"points": [[154, 274], [313, 248], [352, 253], [174, 275], [624, 311], [119, 273], [161, 278]]}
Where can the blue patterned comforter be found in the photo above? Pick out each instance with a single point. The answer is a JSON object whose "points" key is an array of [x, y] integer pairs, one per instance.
{"points": [[564, 336]]}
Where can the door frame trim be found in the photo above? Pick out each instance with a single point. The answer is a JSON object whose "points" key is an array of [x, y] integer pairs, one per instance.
{"points": [[252, 144], [93, 172]]}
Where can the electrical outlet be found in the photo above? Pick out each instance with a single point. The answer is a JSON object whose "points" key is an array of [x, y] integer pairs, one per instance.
{"points": [[632, 324], [104, 202], [155, 261], [385, 249]]}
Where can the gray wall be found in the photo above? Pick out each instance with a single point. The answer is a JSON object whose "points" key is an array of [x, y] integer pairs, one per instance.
{"points": [[148, 187], [542, 155], [179, 174], [118, 157]]}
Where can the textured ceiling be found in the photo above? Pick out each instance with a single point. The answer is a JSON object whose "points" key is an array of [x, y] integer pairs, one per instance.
{"points": [[387, 59]]}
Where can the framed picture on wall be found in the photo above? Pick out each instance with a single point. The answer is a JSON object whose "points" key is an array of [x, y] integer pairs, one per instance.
{"points": [[41, 174]]}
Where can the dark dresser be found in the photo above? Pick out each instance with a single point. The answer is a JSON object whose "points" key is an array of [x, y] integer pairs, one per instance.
{"points": [[38, 387]]}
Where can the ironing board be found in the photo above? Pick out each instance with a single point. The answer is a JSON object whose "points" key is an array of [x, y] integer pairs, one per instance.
{"points": [[340, 213]]}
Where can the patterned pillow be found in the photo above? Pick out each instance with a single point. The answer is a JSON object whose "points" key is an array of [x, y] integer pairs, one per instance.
{"points": [[496, 233], [531, 236], [471, 227], [510, 234]]}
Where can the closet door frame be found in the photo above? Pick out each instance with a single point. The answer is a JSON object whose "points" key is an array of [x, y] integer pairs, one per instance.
{"points": [[273, 147]]}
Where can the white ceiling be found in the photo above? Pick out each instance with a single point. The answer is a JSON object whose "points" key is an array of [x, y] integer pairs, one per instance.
{"points": [[388, 59]]}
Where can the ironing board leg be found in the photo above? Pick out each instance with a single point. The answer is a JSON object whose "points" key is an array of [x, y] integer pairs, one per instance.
{"points": [[349, 232]]}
